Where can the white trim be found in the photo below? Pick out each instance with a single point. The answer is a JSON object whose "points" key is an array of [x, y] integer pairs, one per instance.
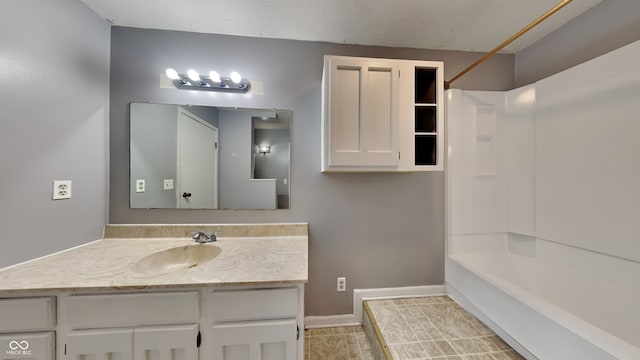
{"points": [[458, 297], [182, 115], [392, 293], [311, 322]]}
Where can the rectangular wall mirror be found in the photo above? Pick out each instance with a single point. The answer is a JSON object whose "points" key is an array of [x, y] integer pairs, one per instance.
{"points": [[203, 157]]}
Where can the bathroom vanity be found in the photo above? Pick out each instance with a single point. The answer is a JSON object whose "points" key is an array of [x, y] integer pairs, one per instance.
{"points": [[150, 292]]}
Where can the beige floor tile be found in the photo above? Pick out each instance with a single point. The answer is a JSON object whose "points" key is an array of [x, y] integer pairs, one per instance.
{"points": [[431, 349], [348, 343], [506, 355], [445, 348], [328, 347], [468, 346]]}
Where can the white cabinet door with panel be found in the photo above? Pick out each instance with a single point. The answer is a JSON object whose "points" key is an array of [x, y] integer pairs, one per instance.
{"points": [[360, 114], [256, 340], [99, 344], [178, 342], [140, 326], [260, 324]]}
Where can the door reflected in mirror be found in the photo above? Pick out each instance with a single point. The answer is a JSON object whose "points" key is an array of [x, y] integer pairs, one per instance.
{"points": [[203, 157]]}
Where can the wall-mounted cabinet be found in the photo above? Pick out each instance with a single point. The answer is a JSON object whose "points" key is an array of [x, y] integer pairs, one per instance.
{"points": [[361, 113], [382, 115]]}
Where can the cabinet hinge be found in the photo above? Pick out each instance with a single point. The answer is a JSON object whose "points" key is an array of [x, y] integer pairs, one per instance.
{"points": [[297, 332], [198, 339]]}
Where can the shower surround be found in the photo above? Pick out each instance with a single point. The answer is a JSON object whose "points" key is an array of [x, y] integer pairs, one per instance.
{"points": [[542, 210]]}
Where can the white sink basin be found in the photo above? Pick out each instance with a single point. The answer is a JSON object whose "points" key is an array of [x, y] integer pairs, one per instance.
{"points": [[175, 259]]}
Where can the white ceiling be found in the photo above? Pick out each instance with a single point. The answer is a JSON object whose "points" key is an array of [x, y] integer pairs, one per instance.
{"points": [[470, 25]]}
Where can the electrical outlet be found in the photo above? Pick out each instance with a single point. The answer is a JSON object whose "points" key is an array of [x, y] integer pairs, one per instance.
{"points": [[168, 184], [341, 284], [140, 185], [61, 189]]}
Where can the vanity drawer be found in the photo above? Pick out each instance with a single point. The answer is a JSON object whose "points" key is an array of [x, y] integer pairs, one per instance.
{"points": [[244, 305], [27, 314], [39, 346], [92, 311]]}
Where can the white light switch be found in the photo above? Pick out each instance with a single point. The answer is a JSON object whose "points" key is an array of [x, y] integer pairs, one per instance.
{"points": [[61, 189], [140, 186], [168, 184]]}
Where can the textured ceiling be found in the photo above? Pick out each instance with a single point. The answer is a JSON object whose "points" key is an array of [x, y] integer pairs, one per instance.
{"points": [[469, 25]]}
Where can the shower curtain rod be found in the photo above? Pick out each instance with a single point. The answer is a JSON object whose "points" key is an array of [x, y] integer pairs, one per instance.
{"points": [[508, 41]]}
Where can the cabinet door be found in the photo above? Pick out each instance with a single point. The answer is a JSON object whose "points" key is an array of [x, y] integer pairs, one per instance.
{"points": [[166, 343], [361, 112], [100, 344], [267, 340], [29, 346]]}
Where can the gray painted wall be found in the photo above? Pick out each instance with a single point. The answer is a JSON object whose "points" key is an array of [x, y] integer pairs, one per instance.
{"points": [[54, 96], [378, 230], [605, 27]]}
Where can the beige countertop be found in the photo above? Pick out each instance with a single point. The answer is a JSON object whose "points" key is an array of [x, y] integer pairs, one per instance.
{"points": [[251, 255]]}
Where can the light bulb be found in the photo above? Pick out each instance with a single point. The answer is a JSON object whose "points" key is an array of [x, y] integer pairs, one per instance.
{"points": [[193, 75], [214, 76], [172, 74], [235, 77]]}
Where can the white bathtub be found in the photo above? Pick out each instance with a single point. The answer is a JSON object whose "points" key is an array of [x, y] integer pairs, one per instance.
{"points": [[550, 301]]}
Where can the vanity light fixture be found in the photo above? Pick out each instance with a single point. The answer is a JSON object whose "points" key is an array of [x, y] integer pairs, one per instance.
{"points": [[192, 80], [265, 149]]}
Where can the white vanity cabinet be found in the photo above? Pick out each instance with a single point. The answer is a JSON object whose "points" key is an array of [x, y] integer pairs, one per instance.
{"points": [[27, 328], [137, 326], [382, 115], [259, 324]]}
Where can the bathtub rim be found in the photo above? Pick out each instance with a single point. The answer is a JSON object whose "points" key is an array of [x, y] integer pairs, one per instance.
{"points": [[581, 328]]}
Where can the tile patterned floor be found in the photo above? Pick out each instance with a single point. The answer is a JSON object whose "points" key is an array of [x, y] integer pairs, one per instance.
{"points": [[340, 343], [436, 328]]}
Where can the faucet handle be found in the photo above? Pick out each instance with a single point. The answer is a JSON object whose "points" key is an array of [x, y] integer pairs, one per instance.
{"points": [[214, 235]]}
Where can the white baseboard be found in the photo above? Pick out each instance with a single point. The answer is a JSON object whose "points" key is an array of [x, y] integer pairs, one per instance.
{"points": [[392, 293], [311, 322], [359, 295]]}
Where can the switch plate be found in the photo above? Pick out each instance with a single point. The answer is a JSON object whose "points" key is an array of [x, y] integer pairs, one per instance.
{"points": [[61, 190], [341, 284], [168, 184], [140, 185]]}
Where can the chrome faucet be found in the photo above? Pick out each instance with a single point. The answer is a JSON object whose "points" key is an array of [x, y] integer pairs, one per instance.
{"points": [[202, 238]]}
